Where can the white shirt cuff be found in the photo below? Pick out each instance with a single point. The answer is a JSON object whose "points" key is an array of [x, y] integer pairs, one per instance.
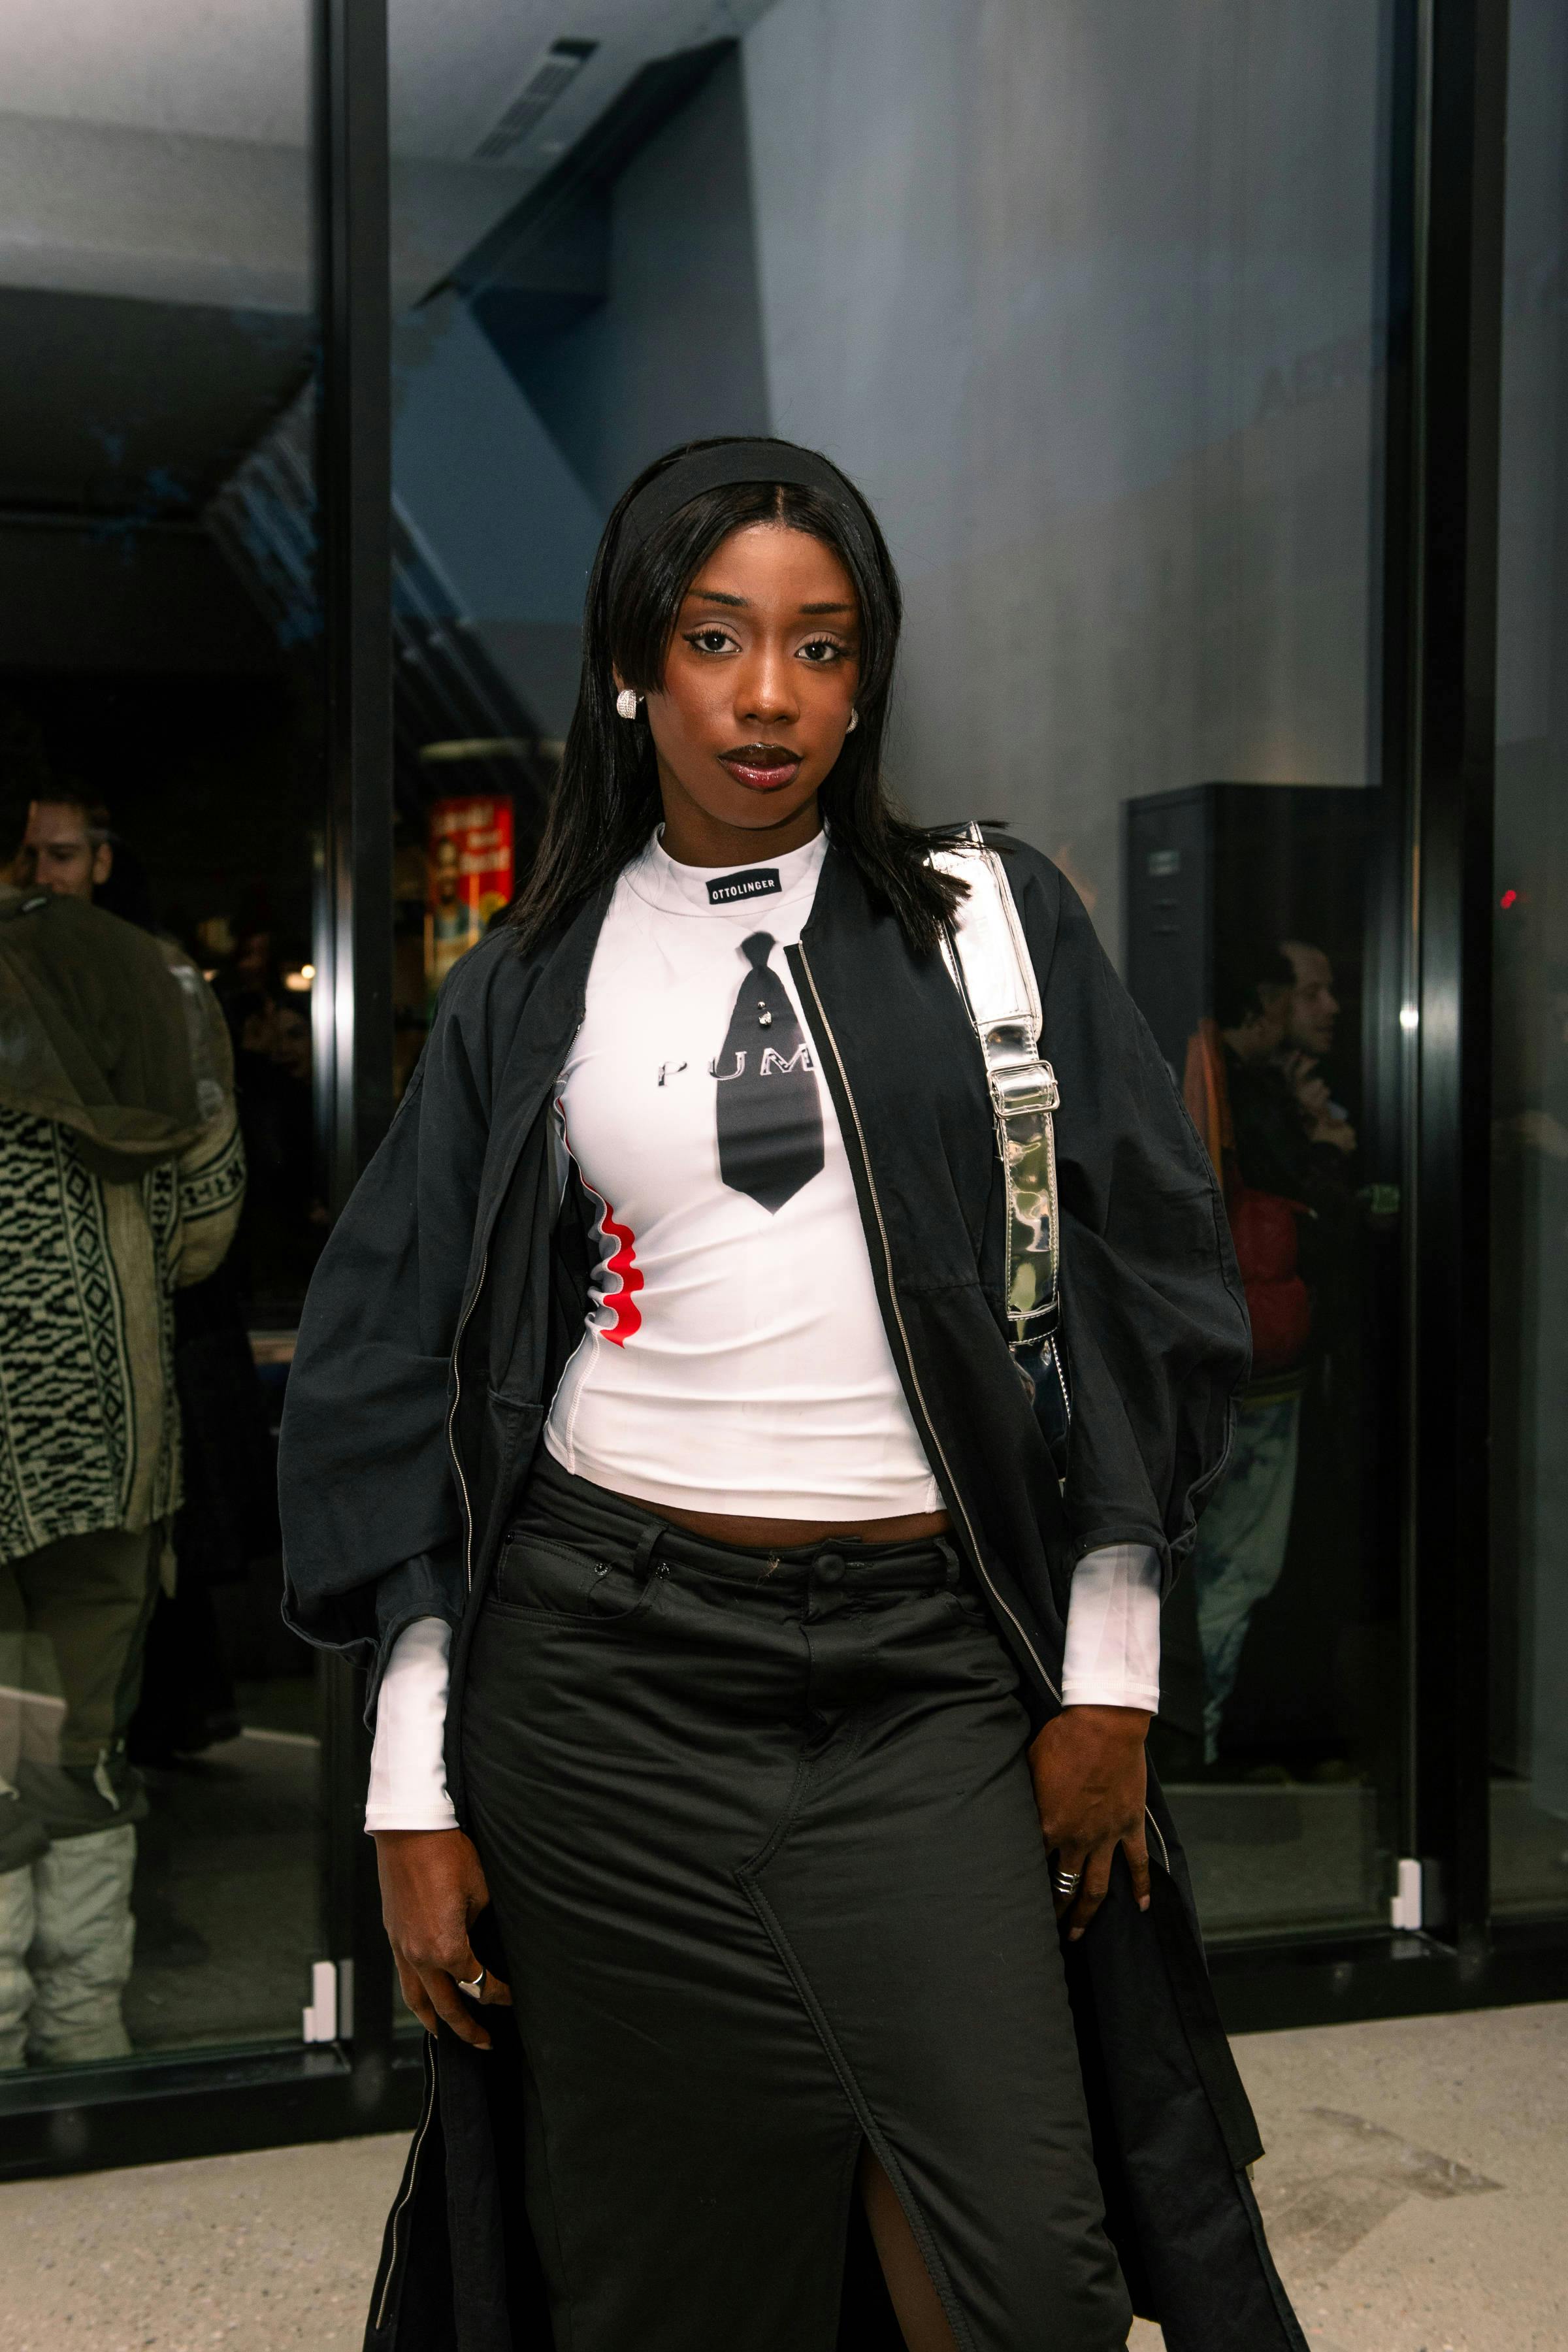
{"points": [[407, 1767], [1112, 1657]]}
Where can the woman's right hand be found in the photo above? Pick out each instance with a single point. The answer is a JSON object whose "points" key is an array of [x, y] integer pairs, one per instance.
{"points": [[432, 1889]]}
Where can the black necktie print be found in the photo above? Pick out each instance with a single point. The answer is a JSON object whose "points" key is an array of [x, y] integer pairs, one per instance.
{"points": [[770, 1116]]}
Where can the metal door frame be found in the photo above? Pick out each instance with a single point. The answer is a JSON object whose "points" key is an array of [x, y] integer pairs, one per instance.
{"points": [[200, 2102]]}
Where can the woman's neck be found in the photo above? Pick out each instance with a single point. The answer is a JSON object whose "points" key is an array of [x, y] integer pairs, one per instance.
{"points": [[692, 837]]}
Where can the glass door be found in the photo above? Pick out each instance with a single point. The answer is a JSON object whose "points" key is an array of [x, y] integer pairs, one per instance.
{"points": [[160, 801], [1530, 921], [493, 525], [1094, 305]]}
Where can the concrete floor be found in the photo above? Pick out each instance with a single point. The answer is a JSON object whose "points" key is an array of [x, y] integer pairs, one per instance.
{"points": [[1415, 2190]]}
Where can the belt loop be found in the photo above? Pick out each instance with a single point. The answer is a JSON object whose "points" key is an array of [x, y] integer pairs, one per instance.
{"points": [[951, 1562], [653, 1535]]}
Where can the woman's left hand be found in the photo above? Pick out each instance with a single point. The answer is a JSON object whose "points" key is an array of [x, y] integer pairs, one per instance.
{"points": [[1089, 1786]]}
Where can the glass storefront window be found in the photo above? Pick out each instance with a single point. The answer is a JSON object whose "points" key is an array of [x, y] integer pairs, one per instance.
{"points": [[1248, 949], [1091, 306], [1530, 1128], [1097, 304], [487, 582], [160, 721]]}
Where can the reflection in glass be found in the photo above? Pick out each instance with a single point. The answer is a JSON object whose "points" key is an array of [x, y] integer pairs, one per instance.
{"points": [[1529, 1129], [1246, 947], [160, 1204], [1089, 301]]}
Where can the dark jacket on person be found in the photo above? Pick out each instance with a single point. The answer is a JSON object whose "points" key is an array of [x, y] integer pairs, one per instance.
{"points": [[449, 1298]]}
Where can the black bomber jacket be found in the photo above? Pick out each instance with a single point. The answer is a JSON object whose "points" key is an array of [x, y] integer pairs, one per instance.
{"points": [[449, 1296]]}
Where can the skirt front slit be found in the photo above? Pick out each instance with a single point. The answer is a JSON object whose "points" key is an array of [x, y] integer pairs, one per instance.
{"points": [[761, 1840]]}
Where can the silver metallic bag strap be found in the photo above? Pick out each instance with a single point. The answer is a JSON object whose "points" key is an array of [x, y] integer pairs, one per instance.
{"points": [[986, 953]]}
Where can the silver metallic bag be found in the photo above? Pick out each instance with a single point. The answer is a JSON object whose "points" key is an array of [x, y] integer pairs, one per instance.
{"points": [[985, 951]]}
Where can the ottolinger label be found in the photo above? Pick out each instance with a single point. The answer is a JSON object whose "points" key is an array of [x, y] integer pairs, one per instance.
{"points": [[756, 882]]}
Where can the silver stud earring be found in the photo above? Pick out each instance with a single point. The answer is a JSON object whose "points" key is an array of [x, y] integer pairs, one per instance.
{"points": [[627, 702], [854, 723]]}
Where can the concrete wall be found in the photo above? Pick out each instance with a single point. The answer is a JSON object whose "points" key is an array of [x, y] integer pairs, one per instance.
{"points": [[1085, 299], [676, 351], [99, 208], [490, 492], [507, 463]]}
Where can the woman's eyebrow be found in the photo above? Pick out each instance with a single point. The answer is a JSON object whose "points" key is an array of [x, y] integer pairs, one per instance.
{"points": [[743, 604]]}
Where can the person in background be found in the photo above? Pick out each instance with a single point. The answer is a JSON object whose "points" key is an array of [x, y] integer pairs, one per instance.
{"points": [[249, 978], [120, 1179], [1279, 1144], [71, 847], [67, 847], [1311, 1011], [280, 1233], [1312, 1008], [1292, 1138], [451, 925]]}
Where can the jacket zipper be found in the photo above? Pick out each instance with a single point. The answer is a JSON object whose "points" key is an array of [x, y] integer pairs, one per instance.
{"points": [[406, 2199], [452, 1424], [457, 1375], [914, 1377]]}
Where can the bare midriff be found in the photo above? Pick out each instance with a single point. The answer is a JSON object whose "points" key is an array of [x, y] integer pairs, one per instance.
{"points": [[785, 1534]]}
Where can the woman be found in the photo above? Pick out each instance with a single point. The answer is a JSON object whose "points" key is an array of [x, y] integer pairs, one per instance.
{"points": [[654, 1393]]}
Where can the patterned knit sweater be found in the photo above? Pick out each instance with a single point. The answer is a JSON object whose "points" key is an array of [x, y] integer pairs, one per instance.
{"points": [[89, 1421]]}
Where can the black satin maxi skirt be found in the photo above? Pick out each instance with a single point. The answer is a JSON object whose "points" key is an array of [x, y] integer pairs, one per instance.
{"points": [[766, 1865]]}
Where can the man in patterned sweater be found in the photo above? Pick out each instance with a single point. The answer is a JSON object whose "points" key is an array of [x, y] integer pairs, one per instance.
{"points": [[121, 1178]]}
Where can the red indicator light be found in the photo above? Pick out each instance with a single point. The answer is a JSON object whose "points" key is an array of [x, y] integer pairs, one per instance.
{"points": [[1508, 900]]}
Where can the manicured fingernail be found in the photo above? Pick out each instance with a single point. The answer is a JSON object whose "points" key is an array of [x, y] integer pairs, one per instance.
{"points": [[1143, 1902], [1075, 1936]]}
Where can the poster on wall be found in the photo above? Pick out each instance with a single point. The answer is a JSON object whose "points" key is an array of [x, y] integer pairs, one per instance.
{"points": [[469, 855]]}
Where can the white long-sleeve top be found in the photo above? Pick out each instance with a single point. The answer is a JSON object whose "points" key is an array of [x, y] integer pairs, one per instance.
{"points": [[734, 1357]]}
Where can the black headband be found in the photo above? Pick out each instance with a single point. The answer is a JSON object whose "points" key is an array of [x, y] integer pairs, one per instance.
{"points": [[740, 461]]}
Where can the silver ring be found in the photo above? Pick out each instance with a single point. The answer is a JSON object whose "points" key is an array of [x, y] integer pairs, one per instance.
{"points": [[1066, 1882], [476, 1990]]}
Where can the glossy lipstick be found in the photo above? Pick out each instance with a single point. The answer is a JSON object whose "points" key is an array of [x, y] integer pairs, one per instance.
{"points": [[761, 767]]}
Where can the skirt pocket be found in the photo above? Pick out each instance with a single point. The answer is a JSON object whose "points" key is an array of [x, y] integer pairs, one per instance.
{"points": [[557, 1583]]}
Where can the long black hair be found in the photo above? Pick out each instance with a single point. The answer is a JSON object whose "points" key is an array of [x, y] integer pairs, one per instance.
{"points": [[607, 802]]}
